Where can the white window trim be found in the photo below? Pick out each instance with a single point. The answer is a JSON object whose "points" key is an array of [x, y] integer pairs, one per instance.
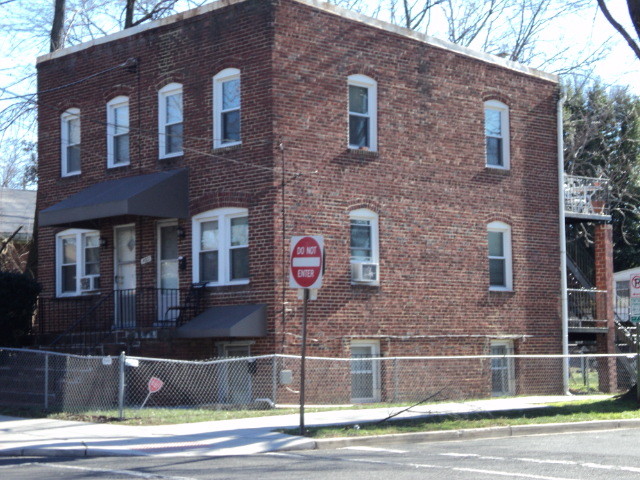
{"points": [[223, 216], [370, 215], [506, 133], [372, 86], [220, 78], [222, 347], [511, 377], [111, 128], [375, 368], [69, 114], [78, 234], [163, 93], [508, 261]]}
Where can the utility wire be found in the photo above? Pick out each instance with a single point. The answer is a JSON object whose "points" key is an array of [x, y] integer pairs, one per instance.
{"points": [[150, 133], [130, 62]]}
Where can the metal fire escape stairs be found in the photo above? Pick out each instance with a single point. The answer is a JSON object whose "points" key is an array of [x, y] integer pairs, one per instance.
{"points": [[580, 264]]}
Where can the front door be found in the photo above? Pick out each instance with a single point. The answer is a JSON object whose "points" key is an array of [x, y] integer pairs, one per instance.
{"points": [[125, 276], [168, 293], [237, 385], [365, 372]]}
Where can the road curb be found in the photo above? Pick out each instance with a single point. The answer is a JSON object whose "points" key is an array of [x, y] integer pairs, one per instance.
{"points": [[334, 443], [296, 443], [475, 433], [67, 452]]}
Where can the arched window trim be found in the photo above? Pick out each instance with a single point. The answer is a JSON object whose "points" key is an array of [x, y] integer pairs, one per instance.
{"points": [[371, 85], [114, 133], [361, 219], [223, 217], [81, 262], [165, 124], [222, 77], [504, 161], [506, 257], [70, 147]]}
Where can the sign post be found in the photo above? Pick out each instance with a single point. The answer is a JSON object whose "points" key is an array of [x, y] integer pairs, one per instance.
{"points": [[634, 317], [307, 255]]}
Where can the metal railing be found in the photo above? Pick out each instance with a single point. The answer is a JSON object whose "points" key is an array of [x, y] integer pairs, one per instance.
{"points": [[587, 308], [586, 196], [581, 263], [86, 321], [122, 385]]}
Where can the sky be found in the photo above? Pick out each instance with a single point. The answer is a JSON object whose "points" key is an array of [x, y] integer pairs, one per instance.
{"points": [[24, 29]]}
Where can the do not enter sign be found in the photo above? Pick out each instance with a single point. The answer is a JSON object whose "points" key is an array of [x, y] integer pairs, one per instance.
{"points": [[306, 262]]}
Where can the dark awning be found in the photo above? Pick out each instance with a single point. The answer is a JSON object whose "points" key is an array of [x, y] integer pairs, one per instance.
{"points": [[227, 321], [161, 194]]}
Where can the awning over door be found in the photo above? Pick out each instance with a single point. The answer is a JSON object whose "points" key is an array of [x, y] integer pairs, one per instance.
{"points": [[161, 194], [238, 321]]}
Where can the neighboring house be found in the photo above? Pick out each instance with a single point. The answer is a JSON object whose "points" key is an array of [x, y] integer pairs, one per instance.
{"points": [[17, 210], [622, 279], [622, 292], [178, 158]]}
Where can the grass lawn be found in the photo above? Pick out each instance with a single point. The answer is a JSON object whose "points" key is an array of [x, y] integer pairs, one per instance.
{"points": [[577, 411], [148, 416]]}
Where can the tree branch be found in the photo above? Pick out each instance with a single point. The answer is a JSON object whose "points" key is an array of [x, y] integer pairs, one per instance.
{"points": [[621, 30]]}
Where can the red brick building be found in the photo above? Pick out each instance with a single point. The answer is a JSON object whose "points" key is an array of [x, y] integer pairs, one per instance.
{"points": [[179, 157]]}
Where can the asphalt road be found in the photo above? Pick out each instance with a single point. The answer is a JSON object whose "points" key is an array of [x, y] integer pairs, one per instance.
{"points": [[593, 455]]}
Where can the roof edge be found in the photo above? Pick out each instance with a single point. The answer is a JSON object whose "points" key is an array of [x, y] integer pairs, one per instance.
{"points": [[430, 40], [194, 12], [326, 7]]}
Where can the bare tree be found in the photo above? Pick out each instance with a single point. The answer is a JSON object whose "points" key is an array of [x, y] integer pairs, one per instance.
{"points": [[466, 21], [57, 26], [414, 13], [147, 11], [634, 16], [43, 27], [18, 164]]}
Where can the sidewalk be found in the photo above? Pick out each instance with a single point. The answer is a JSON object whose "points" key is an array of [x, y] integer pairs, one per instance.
{"points": [[246, 436]]}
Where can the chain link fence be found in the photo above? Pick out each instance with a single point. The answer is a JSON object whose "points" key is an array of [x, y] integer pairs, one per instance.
{"points": [[121, 385]]}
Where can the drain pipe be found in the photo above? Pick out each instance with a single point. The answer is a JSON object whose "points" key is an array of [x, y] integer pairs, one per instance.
{"points": [[563, 252]]}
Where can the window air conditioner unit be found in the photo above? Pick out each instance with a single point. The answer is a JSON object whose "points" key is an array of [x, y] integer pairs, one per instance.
{"points": [[364, 272], [89, 284]]}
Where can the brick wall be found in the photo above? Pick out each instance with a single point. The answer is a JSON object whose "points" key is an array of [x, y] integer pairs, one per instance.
{"points": [[427, 182]]}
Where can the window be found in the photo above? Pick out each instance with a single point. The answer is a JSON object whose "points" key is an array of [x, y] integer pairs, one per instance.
{"points": [[78, 262], [118, 132], [70, 141], [364, 246], [226, 108], [170, 120], [622, 288], [362, 113], [502, 368], [365, 371], [221, 247], [496, 130], [499, 239]]}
